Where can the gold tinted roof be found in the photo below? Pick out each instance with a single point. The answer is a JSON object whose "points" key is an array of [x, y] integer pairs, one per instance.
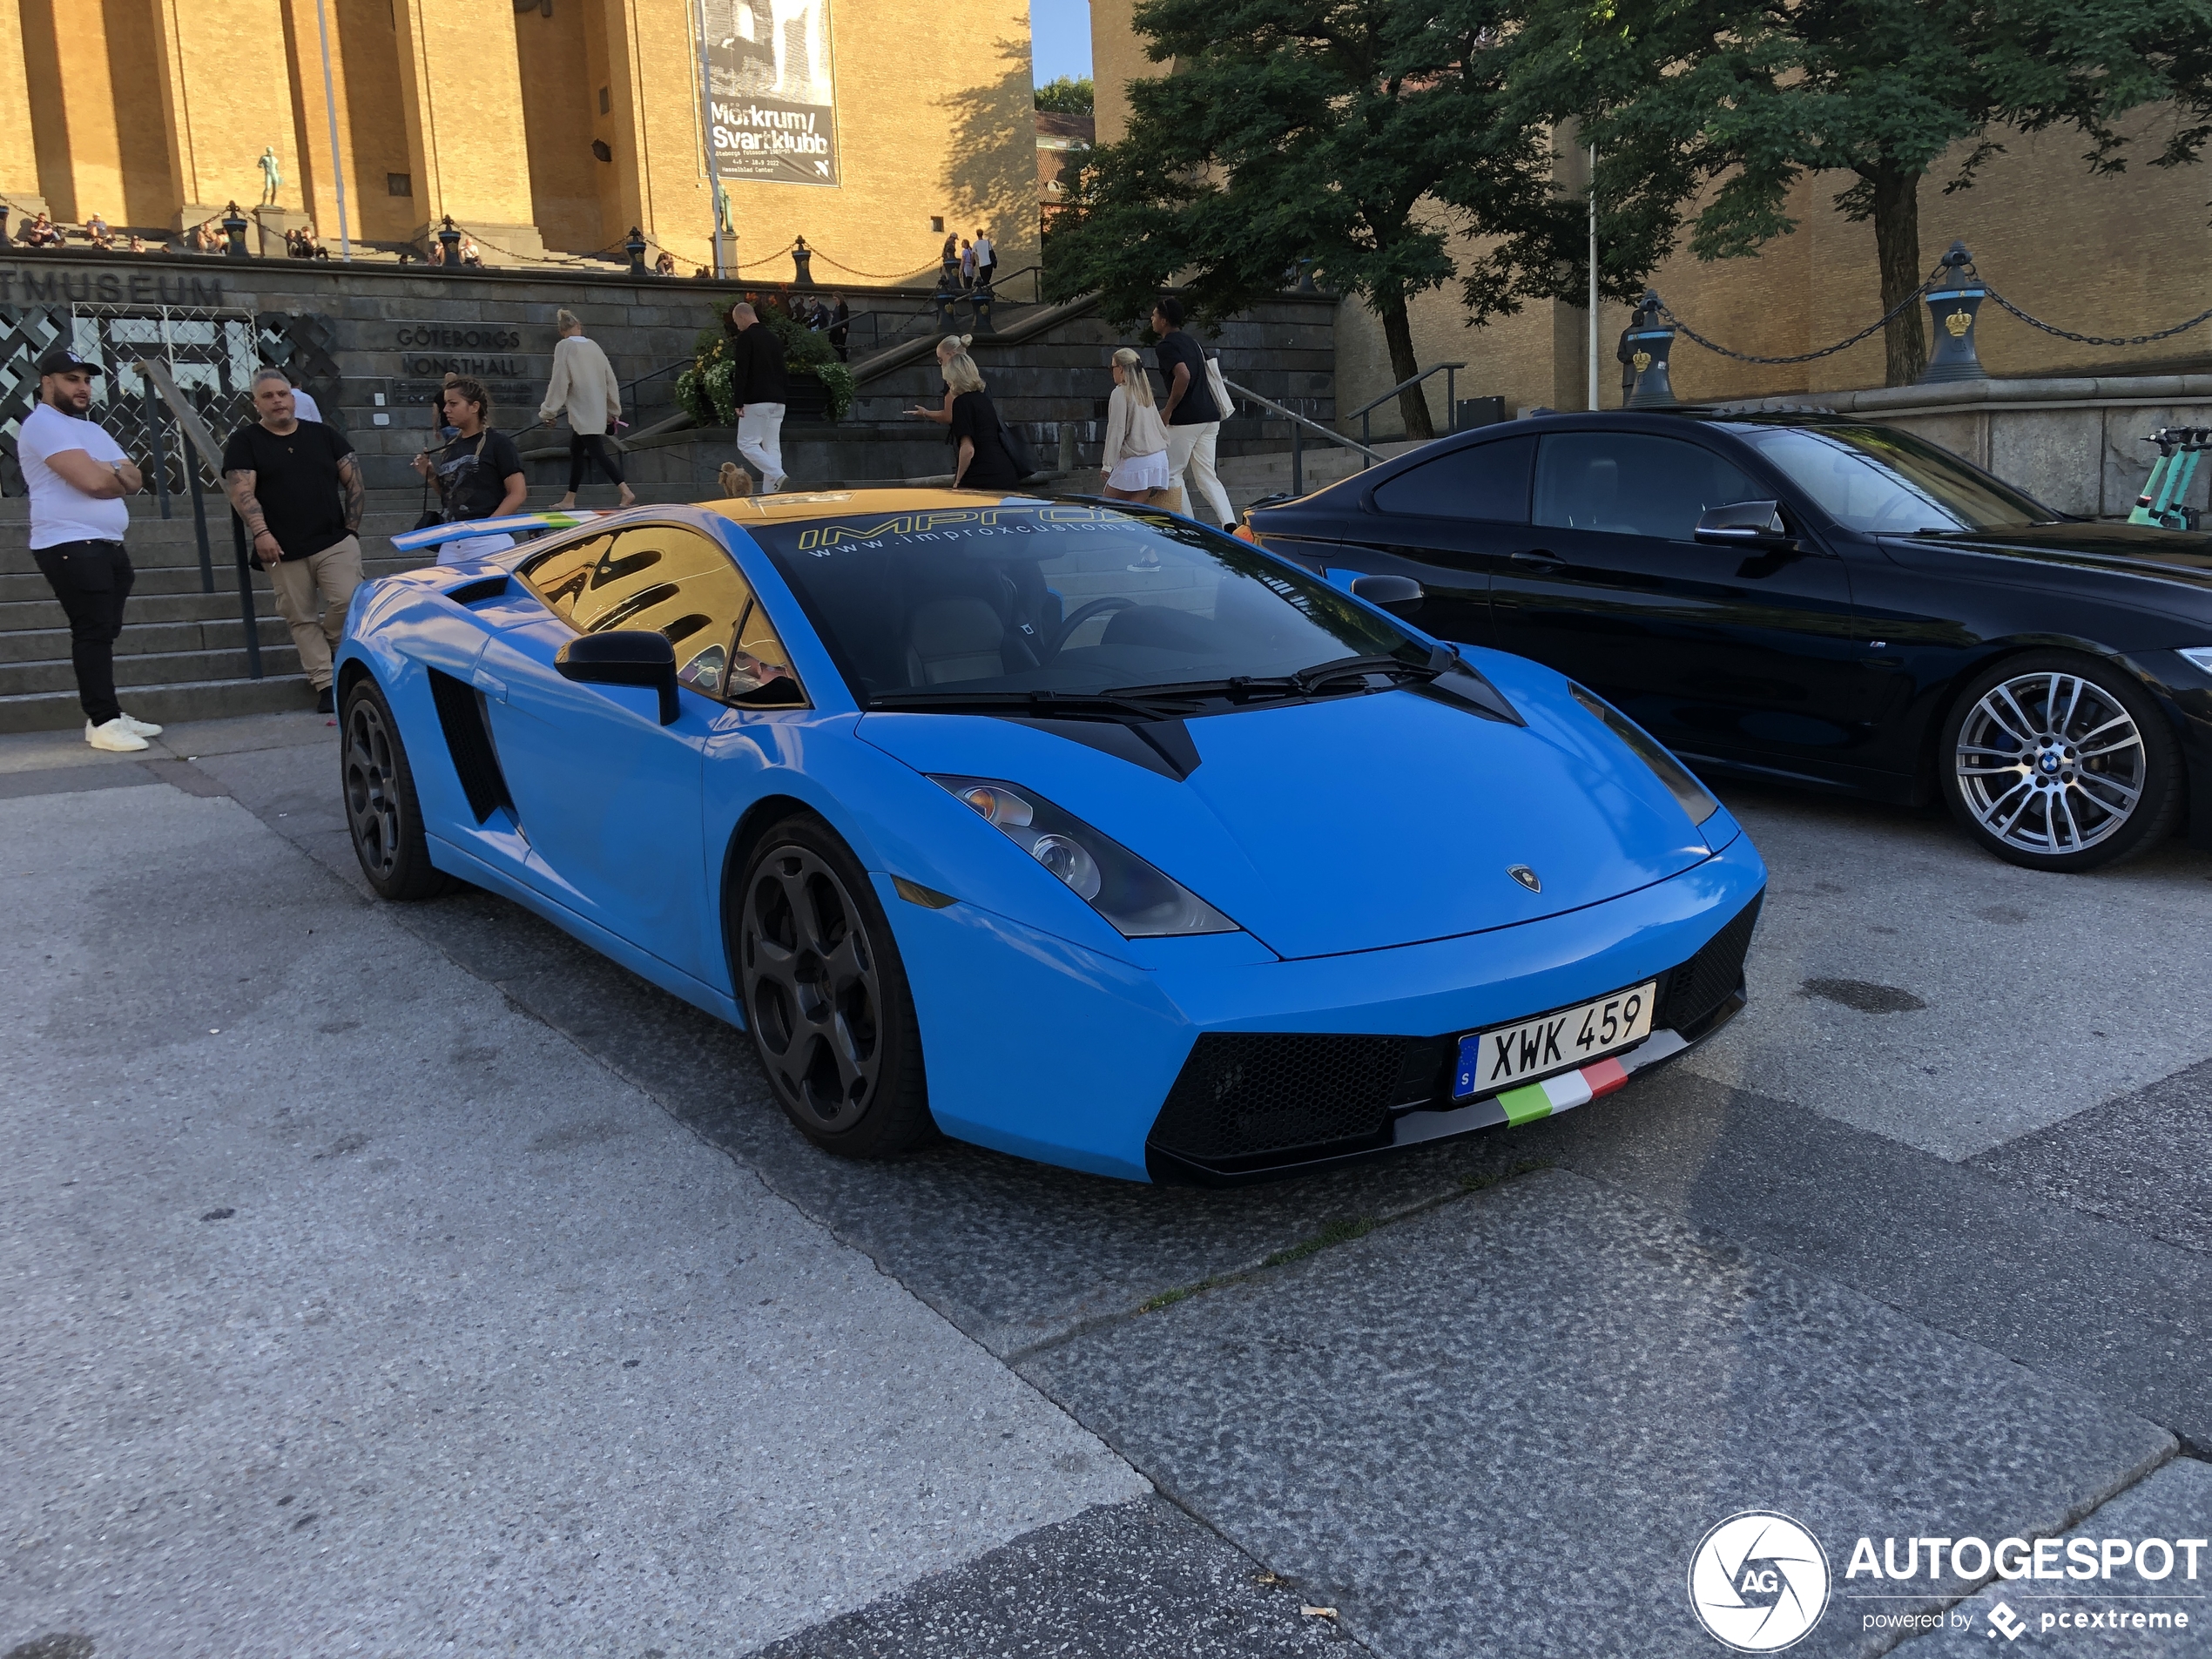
{"points": [[839, 503]]}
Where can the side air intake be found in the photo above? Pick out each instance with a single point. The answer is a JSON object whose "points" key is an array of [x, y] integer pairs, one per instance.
{"points": [[460, 714]]}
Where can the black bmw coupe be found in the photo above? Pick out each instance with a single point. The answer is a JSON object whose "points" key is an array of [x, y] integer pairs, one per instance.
{"points": [[1818, 601]]}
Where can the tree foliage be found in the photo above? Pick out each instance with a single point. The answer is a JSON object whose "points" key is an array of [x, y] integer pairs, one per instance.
{"points": [[1066, 96], [1745, 97]]}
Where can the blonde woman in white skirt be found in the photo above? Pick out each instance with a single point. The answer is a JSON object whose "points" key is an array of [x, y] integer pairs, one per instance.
{"points": [[1135, 458]]}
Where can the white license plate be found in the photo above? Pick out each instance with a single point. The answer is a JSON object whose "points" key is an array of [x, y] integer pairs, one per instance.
{"points": [[1556, 1042]]}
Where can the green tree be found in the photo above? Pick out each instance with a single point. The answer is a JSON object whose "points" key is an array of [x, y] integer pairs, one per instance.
{"points": [[1360, 134], [1066, 96], [1744, 97]]}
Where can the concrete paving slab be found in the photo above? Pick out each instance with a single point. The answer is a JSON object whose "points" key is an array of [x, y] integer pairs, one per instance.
{"points": [[2143, 1160], [2169, 1617], [352, 1310], [41, 750], [2077, 1296], [1504, 1425], [1138, 1578], [2039, 995]]}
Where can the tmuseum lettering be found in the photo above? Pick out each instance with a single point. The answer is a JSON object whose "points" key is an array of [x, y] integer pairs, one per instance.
{"points": [[461, 339], [109, 287]]}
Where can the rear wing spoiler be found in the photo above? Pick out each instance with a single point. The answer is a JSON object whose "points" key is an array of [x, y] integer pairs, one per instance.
{"points": [[513, 524]]}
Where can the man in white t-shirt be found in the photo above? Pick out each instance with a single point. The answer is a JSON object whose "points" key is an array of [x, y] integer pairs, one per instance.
{"points": [[987, 260], [79, 477], [303, 407]]}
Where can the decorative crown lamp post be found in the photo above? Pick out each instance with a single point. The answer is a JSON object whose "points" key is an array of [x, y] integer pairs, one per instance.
{"points": [[635, 248], [449, 239], [1954, 298], [234, 230], [1651, 340], [1306, 283], [802, 260]]}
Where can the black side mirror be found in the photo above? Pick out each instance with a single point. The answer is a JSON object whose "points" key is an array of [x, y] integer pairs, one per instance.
{"points": [[1745, 524], [1393, 593], [624, 657]]}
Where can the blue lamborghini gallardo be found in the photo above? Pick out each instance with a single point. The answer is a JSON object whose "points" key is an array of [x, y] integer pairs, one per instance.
{"points": [[1081, 832]]}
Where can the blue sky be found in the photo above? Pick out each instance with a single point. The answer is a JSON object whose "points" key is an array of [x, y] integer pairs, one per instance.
{"points": [[1060, 37]]}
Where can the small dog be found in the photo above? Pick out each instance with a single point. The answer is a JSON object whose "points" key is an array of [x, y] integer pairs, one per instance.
{"points": [[733, 480]]}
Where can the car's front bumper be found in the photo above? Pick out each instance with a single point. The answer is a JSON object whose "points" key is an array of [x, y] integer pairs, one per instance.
{"points": [[1046, 1049]]}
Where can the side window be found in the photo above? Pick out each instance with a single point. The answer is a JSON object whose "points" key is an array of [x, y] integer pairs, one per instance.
{"points": [[1630, 484], [1486, 480], [677, 583]]}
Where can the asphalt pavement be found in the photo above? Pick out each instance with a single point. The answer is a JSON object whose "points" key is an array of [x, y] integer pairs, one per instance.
{"points": [[528, 1295]]}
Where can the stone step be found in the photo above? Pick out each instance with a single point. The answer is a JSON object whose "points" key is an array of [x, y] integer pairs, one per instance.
{"points": [[158, 545], [170, 704], [139, 638], [152, 668], [45, 611], [184, 579]]}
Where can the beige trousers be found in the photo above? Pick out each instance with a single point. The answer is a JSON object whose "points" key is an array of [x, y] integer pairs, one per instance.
{"points": [[1191, 459], [337, 572]]}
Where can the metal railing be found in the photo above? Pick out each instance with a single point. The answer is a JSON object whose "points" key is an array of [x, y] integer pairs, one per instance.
{"points": [[1299, 427], [1449, 371], [194, 429]]}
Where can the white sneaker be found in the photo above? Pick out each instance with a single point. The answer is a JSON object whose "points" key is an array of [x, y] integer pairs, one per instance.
{"points": [[771, 486], [116, 735], [144, 728]]}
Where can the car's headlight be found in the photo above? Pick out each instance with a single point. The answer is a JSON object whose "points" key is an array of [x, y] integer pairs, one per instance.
{"points": [[1695, 799], [1136, 899], [2199, 655]]}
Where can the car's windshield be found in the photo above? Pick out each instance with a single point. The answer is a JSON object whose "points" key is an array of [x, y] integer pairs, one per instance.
{"points": [[1877, 479], [1064, 599]]}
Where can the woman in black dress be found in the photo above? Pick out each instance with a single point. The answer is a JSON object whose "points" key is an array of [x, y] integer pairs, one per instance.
{"points": [[984, 463]]}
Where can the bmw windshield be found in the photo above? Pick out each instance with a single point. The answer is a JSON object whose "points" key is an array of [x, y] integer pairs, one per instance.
{"points": [[1884, 482], [1066, 602]]}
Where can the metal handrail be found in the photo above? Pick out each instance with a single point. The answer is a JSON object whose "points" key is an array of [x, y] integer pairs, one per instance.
{"points": [[157, 375], [1449, 371], [1299, 425]]}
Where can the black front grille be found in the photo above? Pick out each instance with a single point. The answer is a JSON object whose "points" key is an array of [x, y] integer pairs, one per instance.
{"points": [[1691, 993], [1242, 1094]]}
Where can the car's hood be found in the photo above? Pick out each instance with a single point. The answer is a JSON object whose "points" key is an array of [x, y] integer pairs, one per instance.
{"points": [[2179, 557], [1353, 823]]}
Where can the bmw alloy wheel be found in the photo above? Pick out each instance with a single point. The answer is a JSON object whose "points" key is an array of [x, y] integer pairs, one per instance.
{"points": [[372, 788], [2051, 763], [813, 990]]}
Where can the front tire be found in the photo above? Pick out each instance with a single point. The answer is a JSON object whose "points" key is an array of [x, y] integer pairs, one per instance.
{"points": [[825, 996], [381, 808], [2060, 762]]}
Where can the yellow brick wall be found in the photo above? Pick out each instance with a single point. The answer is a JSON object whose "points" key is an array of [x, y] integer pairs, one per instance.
{"points": [[224, 97], [461, 93], [95, 115], [1117, 59], [18, 151]]}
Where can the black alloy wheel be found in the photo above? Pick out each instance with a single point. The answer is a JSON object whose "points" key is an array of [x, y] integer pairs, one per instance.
{"points": [[380, 805], [825, 994], [2060, 762]]}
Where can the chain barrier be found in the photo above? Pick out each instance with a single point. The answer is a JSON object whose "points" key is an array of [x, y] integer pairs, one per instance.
{"points": [[1872, 329], [880, 276], [2096, 340]]}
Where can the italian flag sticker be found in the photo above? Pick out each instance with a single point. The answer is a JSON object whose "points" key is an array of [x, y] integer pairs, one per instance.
{"points": [[1563, 1093]]}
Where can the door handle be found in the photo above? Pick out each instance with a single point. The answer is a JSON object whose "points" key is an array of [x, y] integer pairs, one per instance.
{"points": [[1537, 557]]}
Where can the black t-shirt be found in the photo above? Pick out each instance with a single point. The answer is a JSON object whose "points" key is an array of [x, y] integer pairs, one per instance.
{"points": [[295, 479], [975, 417], [473, 486], [1197, 407]]}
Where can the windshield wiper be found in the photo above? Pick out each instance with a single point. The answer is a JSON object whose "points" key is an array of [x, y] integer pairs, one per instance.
{"points": [[1075, 705], [1239, 688], [1345, 667]]}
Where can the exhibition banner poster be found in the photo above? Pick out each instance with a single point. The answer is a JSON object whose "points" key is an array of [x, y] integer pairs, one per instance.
{"points": [[773, 101]]}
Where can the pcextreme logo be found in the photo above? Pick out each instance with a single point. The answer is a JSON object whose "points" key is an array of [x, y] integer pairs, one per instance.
{"points": [[1758, 1582]]}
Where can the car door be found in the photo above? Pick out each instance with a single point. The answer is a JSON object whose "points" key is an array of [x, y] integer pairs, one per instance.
{"points": [[1739, 653], [1447, 522], [609, 797]]}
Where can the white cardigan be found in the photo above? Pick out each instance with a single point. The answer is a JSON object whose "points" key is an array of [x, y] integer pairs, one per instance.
{"points": [[1132, 428], [583, 387]]}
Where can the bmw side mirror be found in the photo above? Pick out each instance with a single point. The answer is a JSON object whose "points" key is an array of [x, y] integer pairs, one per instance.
{"points": [[624, 657], [1393, 593], [1746, 523]]}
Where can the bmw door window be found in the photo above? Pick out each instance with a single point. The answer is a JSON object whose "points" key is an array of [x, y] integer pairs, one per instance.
{"points": [[1484, 481], [1872, 479], [1626, 483], [1064, 599]]}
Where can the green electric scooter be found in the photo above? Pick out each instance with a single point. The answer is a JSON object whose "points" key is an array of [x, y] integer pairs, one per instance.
{"points": [[2179, 450]]}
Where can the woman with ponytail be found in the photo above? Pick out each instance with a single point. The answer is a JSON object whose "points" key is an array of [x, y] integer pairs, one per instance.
{"points": [[1136, 457], [950, 346]]}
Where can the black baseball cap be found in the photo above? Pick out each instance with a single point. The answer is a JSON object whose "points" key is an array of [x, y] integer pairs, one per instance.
{"points": [[59, 360]]}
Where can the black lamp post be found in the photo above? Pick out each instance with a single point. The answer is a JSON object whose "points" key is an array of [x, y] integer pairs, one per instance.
{"points": [[235, 229], [1650, 343], [3, 224], [635, 248], [1954, 299], [1306, 283], [802, 260], [449, 240]]}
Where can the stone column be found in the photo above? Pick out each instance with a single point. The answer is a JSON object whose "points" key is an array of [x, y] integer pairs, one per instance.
{"points": [[18, 151], [660, 168], [217, 63], [461, 93]]}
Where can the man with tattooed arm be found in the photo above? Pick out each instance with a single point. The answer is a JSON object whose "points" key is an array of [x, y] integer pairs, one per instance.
{"points": [[297, 484]]}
